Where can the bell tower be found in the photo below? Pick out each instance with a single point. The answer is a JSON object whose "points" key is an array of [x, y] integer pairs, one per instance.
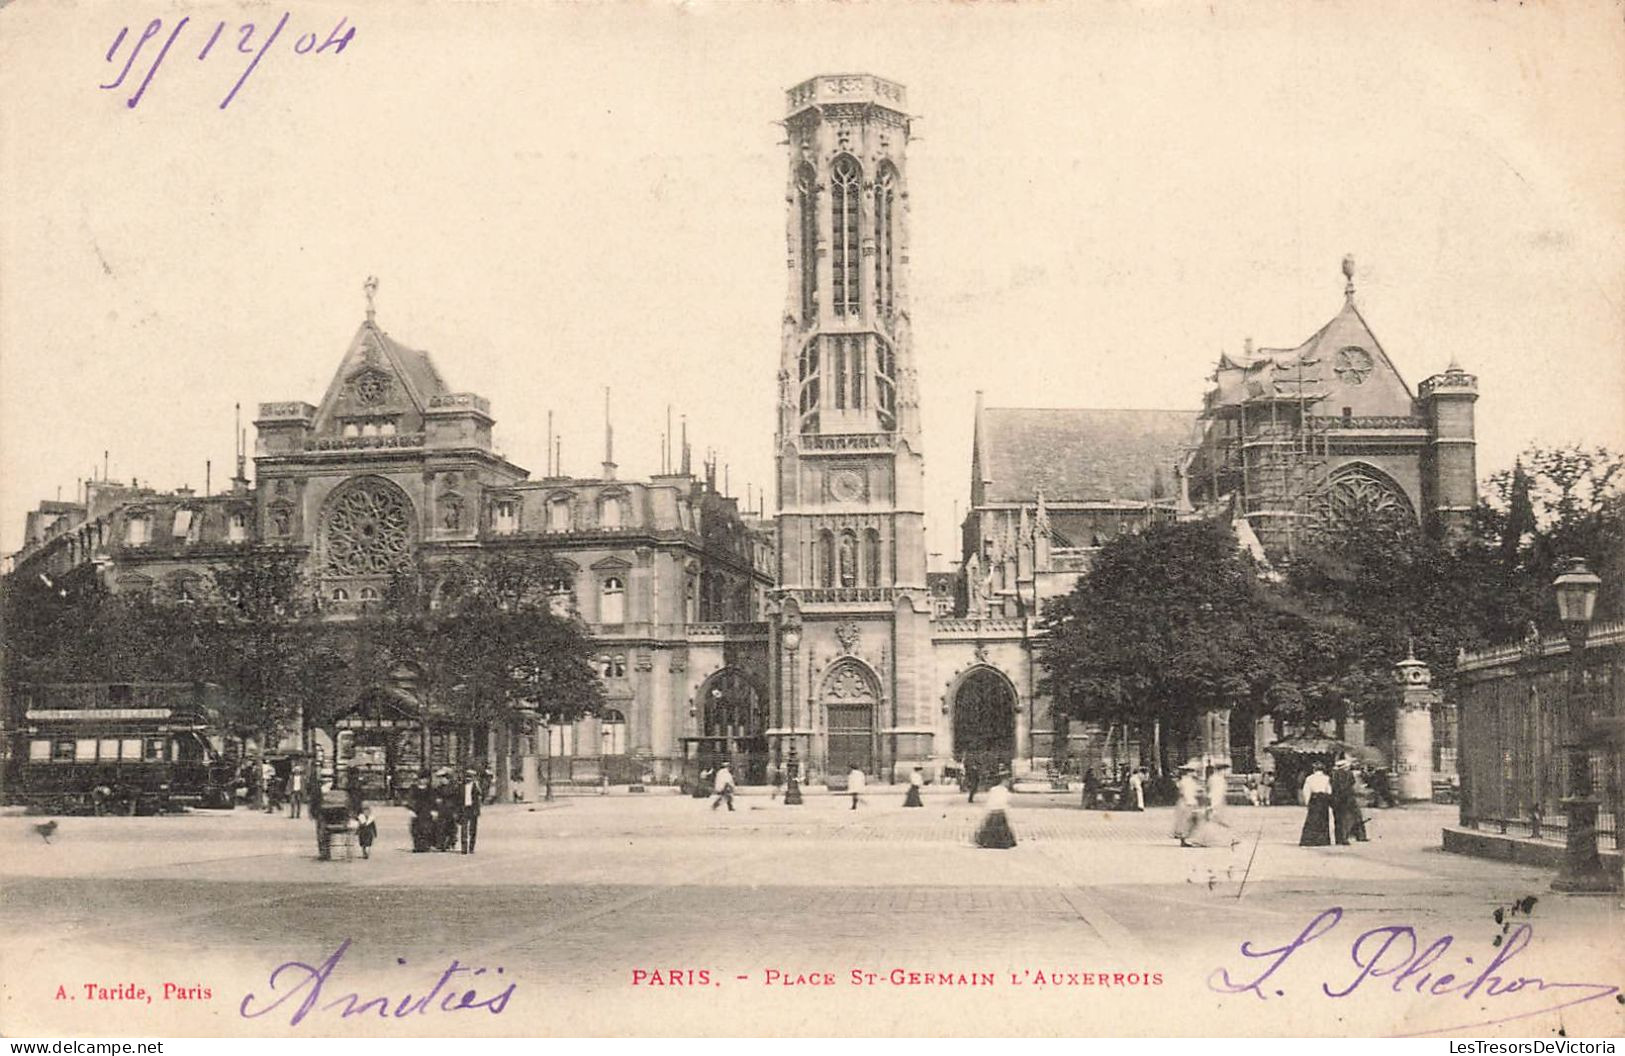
{"points": [[850, 471]]}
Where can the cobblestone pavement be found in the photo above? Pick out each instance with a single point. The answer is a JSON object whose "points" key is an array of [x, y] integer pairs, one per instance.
{"points": [[572, 899]]}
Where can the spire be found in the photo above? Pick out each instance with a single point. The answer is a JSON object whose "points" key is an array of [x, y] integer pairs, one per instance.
{"points": [[1348, 274], [239, 483], [370, 288], [609, 440]]}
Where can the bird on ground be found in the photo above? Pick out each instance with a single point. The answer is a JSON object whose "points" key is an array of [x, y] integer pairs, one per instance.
{"points": [[46, 829]]}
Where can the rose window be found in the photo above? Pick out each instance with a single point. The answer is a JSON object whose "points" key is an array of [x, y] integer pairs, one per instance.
{"points": [[371, 388], [368, 531], [1361, 501]]}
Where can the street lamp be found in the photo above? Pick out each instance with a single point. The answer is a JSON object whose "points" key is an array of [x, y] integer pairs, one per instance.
{"points": [[791, 637], [1576, 591]]}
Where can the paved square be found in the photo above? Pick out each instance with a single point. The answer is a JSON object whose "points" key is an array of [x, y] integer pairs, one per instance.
{"points": [[645, 914]]}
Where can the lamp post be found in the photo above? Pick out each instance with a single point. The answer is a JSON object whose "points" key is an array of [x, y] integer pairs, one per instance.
{"points": [[790, 636], [1576, 591]]}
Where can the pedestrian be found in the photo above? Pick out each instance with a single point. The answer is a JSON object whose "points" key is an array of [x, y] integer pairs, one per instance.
{"points": [[446, 810], [1136, 785], [973, 776], [1251, 784], [1347, 823], [366, 830], [421, 801], [1382, 788], [1266, 788], [916, 781], [296, 790], [854, 784], [995, 832], [1316, 794], [723, 786], [1218, 794], [352, 788], [1091, 788], [1187, 809], [468, 818], [267, 777]]}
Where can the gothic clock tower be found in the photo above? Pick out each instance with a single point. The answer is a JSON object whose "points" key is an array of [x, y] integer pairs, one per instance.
{"points": [[851, 527]]}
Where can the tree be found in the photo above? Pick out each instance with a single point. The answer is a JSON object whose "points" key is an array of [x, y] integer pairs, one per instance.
{"points": [[259, 641], [483, 632], [1167, 623]]}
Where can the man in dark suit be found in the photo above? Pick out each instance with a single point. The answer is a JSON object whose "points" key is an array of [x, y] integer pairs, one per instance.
{"points": [[1346, 819], [468, 813]]}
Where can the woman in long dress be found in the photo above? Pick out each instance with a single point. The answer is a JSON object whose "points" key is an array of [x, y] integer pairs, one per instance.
{"points": [[1212, 828], [1317, 796], [995, 832], [915, 780]]}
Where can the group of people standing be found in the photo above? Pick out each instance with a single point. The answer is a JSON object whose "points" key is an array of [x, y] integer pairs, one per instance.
{"points": [[1333, 806], [446, 811]]}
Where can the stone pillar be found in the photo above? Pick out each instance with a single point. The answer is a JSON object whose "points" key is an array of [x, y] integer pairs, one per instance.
{"points": [[1413, 730], [1213, 736], [1263, 737]]}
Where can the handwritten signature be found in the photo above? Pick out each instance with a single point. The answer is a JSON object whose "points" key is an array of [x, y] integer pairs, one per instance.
{"points": [[1394, 955], [337, 41], [300, 978]]}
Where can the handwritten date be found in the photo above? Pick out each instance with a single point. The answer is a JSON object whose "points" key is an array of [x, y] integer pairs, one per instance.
{"points": [[249, 38]]}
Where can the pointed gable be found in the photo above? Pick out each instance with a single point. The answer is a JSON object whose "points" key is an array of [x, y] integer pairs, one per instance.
{"points": [[378, 380]]}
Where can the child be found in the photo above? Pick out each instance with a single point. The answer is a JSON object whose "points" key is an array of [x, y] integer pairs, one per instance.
{"points": [[366, 830]]}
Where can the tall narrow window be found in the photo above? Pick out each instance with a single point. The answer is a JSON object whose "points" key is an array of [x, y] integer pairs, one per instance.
{"points": [[871, 558], [857, 373], [885, 383], [826, 558], [807, 203], [838, 349], [885, 222], [612, 601], [845, 187], [809, 386]]}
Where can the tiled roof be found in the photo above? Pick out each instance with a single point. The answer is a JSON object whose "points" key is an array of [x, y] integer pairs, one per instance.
{"points": [[1080, 455]]}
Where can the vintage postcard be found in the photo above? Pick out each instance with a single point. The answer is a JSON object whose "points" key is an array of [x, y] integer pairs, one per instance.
{"points": [[645, 519]]}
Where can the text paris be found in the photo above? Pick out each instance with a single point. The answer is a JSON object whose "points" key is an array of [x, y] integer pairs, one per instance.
{"points": [[225, 39], [296, 989]]}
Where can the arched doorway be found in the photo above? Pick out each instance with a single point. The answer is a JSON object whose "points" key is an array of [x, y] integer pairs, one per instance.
{"points": [[733, 725], [849, 695], [984, 709]]}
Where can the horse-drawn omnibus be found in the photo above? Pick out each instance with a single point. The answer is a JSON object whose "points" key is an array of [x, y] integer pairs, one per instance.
{"points": [[127, 747]]}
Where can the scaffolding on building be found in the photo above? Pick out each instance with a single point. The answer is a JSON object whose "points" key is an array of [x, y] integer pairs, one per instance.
{"points": [[1265, 452]]}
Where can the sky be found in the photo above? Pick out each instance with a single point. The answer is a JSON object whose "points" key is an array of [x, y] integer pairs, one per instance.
{"points": [[560, 197]]}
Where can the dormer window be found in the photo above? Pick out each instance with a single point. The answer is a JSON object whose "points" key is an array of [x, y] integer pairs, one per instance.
{"points": [[609, 512], [340, 594], [237, 527], [369, 593], [558, 514], [137, 530]]}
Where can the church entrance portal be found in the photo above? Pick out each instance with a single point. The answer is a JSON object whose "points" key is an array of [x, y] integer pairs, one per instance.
{"points": [[849, 697], [984, 708]]}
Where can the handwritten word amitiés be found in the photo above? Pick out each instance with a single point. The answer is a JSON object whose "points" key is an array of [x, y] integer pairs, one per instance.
{"points": [[249, 38], [1393, 957], [296, 990]]}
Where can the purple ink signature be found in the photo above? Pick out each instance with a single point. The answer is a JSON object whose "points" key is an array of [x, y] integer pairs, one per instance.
{"points": [[453, 991], [337, 41], [1394, 956]]}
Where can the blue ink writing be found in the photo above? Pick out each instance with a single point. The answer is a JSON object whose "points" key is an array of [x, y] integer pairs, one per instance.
{"points": [[296, 988], [1392, 955], [249, 33]]}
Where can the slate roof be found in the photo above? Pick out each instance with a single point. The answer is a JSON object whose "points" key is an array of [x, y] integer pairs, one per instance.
{"points": [[1079, 454]]}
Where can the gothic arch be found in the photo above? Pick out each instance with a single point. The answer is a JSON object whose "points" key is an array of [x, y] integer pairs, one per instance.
{"points": [[983, 703], [367, 528], [1357, 496], [846, 207], [732, 704], [851, 697]]}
